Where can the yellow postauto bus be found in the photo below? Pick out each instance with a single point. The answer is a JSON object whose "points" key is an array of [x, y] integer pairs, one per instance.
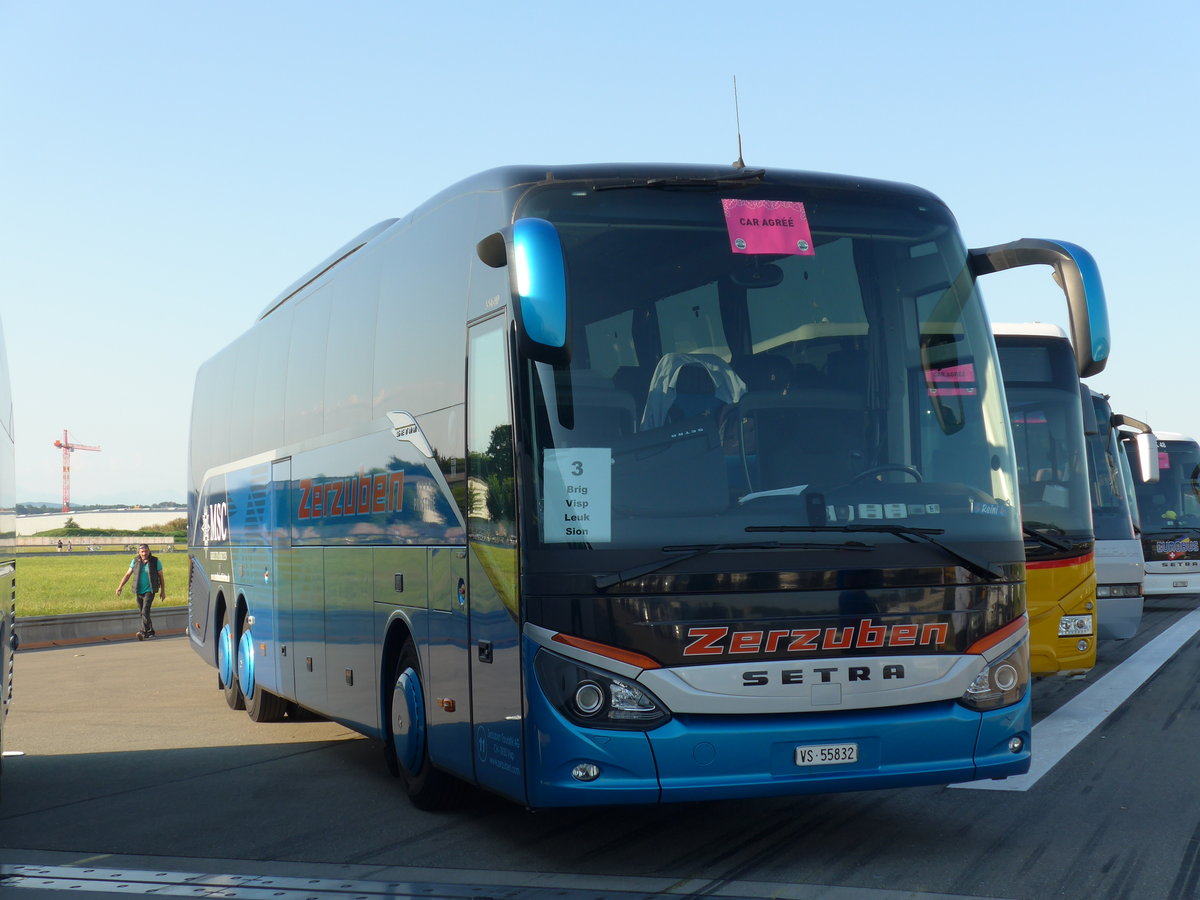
{"points": [[1041, 382]]}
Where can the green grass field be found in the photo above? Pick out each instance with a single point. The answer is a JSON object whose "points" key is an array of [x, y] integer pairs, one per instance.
{"points": [[87, 582]]}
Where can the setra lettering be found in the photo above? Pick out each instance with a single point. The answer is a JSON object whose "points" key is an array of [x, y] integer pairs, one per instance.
{"points": [[826, 675]]}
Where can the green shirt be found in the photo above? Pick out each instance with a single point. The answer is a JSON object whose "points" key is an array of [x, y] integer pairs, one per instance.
{"points": [[143, 576]]}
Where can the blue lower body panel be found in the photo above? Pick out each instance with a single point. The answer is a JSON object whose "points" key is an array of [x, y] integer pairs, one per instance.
{"points": [[701, 757], [696, 757]]}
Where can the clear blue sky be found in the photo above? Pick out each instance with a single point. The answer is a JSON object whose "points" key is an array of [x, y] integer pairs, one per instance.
{"points": [[168, 166]]}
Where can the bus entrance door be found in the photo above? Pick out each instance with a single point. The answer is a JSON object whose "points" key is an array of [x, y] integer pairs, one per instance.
{"points": [[492, 564], [280, 571]]}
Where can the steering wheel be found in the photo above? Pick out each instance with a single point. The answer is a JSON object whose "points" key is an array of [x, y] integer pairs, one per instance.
{"points": [[888, 467]]}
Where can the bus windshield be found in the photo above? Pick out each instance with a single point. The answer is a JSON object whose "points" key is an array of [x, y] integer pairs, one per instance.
{"points": [[1112, 513], [843, 377], [1042, 386], [1174, 501]]}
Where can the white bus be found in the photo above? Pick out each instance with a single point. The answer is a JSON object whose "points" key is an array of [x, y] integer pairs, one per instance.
{"points": [[1170, 514], [1120, 567]]}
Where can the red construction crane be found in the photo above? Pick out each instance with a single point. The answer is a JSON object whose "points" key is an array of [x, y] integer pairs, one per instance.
{"points": [[67, 449]]}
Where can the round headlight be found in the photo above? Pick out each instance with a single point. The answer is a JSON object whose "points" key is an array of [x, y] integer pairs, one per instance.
{"points": [[1005, 677], [589, 698]]}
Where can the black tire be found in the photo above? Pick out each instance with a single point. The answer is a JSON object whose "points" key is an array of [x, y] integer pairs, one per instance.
{"points": [[428, 787], [230, 687], [263, 706]]}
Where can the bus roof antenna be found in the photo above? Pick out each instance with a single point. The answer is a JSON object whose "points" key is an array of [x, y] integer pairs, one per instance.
{"points": [[738, 163]]}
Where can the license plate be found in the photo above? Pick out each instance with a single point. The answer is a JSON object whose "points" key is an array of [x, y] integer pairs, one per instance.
{"points": [[826, 754], [1178, 584]]}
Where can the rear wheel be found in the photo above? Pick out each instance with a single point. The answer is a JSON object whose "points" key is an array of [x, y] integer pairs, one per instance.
{"points": [[227, 664], [261, 704], [407, 749]]}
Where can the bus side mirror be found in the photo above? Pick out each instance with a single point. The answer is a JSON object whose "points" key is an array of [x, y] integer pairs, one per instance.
{"points": [[1147, 454], [1145, 445], [532, 251], [1076, 273]]}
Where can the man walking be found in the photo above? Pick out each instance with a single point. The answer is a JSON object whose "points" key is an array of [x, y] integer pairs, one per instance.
{"points": [[147, 573]]}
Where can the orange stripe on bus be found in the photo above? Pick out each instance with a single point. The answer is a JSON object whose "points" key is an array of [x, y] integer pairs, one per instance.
{"points": [[999, 637], [625, 656], [1061, 563]]}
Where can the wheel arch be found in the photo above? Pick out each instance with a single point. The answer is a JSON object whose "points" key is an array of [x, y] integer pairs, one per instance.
{"points": [[216, 617], [398, 630]]}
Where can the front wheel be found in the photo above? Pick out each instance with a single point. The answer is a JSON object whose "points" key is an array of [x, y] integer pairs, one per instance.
{"points": [[406, 734]]}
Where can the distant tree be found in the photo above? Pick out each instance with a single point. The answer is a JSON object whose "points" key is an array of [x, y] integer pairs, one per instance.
{"points": [[71, 524], [174, 526]]}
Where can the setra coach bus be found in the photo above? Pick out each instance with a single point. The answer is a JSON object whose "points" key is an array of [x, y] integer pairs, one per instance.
{"points": [[631, 484], [1169, 510]]}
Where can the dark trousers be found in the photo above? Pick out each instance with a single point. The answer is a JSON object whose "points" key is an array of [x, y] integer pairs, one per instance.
{"points": [[144, 601]]}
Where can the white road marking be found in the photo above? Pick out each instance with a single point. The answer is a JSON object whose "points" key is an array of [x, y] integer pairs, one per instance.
{"points": [[1057, 735], [461, 884]]}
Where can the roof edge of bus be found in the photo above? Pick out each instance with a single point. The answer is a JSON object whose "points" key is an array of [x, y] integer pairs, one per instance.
{"points": [[524, 174], [347, 249], [517, 175]]}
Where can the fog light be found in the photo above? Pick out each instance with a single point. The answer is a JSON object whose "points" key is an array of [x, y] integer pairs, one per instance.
{"points": [[1082, 646], [586, 772], [1015, 744]]}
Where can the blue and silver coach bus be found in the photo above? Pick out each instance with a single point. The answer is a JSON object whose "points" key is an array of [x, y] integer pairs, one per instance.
{"points": [[8, 540], [631, 483]]}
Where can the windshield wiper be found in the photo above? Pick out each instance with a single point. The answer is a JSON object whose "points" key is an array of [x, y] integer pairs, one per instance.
{"points": [[908, 533], [690, 182], [690, 551], [1039, 535]]}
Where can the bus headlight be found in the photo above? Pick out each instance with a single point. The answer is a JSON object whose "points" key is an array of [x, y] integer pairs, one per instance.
{"points": [[1002, 683], [1074, 626], [1104, 591], [595, 698]]}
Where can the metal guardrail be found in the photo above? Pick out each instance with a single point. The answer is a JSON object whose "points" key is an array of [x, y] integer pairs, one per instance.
{"points": [[83, 543], [34, 632]]}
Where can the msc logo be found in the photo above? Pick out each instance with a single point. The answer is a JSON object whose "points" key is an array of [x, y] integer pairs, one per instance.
{"points": [[214, 524]]}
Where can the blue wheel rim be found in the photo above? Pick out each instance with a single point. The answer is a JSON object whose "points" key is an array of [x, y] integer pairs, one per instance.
{"points": [[245, 664], [408, 720], [225, 654]]}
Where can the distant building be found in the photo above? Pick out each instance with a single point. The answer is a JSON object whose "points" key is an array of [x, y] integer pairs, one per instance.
{"points": [[124, 519]]}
